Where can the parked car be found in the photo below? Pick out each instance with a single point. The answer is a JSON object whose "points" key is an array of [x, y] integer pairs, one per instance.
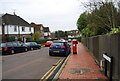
{"points": [[69, 40], [48, 43], [59, 48], [32, 45], [0, 50], [12, 47]]}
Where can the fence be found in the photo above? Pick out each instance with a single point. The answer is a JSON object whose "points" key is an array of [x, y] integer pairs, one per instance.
{"points": [[110, 44]]}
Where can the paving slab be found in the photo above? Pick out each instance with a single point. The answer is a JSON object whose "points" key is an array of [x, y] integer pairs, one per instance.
{"points": [[82, 67]]}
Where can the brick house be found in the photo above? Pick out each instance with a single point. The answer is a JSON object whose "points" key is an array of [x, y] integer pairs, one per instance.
{"points": [[13, 25], [46, 31], [38, 28]]}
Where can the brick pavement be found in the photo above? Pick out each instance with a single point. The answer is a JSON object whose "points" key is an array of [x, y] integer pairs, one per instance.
{"points": [[82, 67]]}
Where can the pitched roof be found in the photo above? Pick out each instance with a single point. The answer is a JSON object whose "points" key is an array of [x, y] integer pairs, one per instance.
{"points": [[39, 25], [14, 20], [46, 29], [36, 25]]}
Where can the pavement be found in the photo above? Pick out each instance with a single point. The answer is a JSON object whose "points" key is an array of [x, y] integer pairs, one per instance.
{"points": [[81, 67]]}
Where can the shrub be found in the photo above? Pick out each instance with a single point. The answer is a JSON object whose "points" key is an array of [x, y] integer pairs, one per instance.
{"points": [[36, 36], [79, 39], [10, 39], [114, 30]]}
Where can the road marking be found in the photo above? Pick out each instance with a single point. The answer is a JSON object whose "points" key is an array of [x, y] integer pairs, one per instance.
{"points": [[50, 70], [48, 73], [54, 70]]}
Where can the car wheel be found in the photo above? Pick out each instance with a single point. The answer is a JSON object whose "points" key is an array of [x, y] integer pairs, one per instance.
{"points": [[26, 49], [39, 47], [50, 54], [66, 54], [69, 52], [31, 48], [12, 51]]}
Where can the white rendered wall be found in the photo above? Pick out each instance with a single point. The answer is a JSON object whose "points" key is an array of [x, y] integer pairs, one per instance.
{"points": [[10, 29]]}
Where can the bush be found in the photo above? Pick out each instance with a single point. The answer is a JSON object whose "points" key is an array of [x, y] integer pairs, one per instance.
{"points": [[19, 39], [36, 36], [79, 39], [28, 39], [10, 39], [114, 30]]}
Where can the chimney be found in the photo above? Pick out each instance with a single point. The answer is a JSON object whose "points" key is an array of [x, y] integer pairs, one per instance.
{"points": [[14, 13]]}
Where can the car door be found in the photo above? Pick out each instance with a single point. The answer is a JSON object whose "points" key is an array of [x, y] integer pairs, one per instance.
{"points": [[9, 45], [34, 44], [16, 47], [20, 46]]}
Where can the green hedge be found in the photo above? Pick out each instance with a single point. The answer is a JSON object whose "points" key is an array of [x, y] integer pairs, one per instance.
{"points": [[10, 39]]}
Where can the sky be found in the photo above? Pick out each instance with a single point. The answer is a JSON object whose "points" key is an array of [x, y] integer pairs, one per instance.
{"points": [[55, 14]]}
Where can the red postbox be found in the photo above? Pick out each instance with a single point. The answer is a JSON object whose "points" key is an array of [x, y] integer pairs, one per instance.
{"points": [[74, 46]]}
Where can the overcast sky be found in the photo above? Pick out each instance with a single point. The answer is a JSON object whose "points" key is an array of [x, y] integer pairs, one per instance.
{"points": [[56, 14]]}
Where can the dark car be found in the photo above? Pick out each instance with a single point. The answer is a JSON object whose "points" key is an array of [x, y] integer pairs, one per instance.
{"points": [[12, 47], [0, 50], [59, 48], [32, 45]]}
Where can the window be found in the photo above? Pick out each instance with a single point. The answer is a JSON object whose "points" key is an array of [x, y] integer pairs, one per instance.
{"points": [[14, 44], [57, 44], [23, 28], [30, 29], [15, 28], [9, 44]]}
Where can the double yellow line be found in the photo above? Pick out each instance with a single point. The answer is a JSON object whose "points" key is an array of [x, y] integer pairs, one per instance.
{"points": [[51, 71]]}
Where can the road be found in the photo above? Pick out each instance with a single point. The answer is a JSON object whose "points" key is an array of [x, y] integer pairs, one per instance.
{"points": [[28, 65]]}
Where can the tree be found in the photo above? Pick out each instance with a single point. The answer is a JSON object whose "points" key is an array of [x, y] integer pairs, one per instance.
{"points": [[88, 31], [36, 36], [100, 19], [104, 16], [66, 34], [61, 34], [82, 21]]}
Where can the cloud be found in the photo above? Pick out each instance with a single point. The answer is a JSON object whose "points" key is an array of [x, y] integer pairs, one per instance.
{"points": [[57, 14]]}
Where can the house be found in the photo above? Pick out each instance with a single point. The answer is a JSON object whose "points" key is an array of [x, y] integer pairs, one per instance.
{"points": [[13, 25], [52, 35], [73, 33], [38, 28], [46, 31]]}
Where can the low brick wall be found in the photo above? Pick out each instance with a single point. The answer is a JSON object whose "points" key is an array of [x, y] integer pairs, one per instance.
{"points": [[109, 44]]}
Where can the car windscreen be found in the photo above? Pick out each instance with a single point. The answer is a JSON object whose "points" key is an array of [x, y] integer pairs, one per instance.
{"points": [[14, 44], [58, 44], [27, 43], [34, 43], [49, 42], [18, 43]]}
